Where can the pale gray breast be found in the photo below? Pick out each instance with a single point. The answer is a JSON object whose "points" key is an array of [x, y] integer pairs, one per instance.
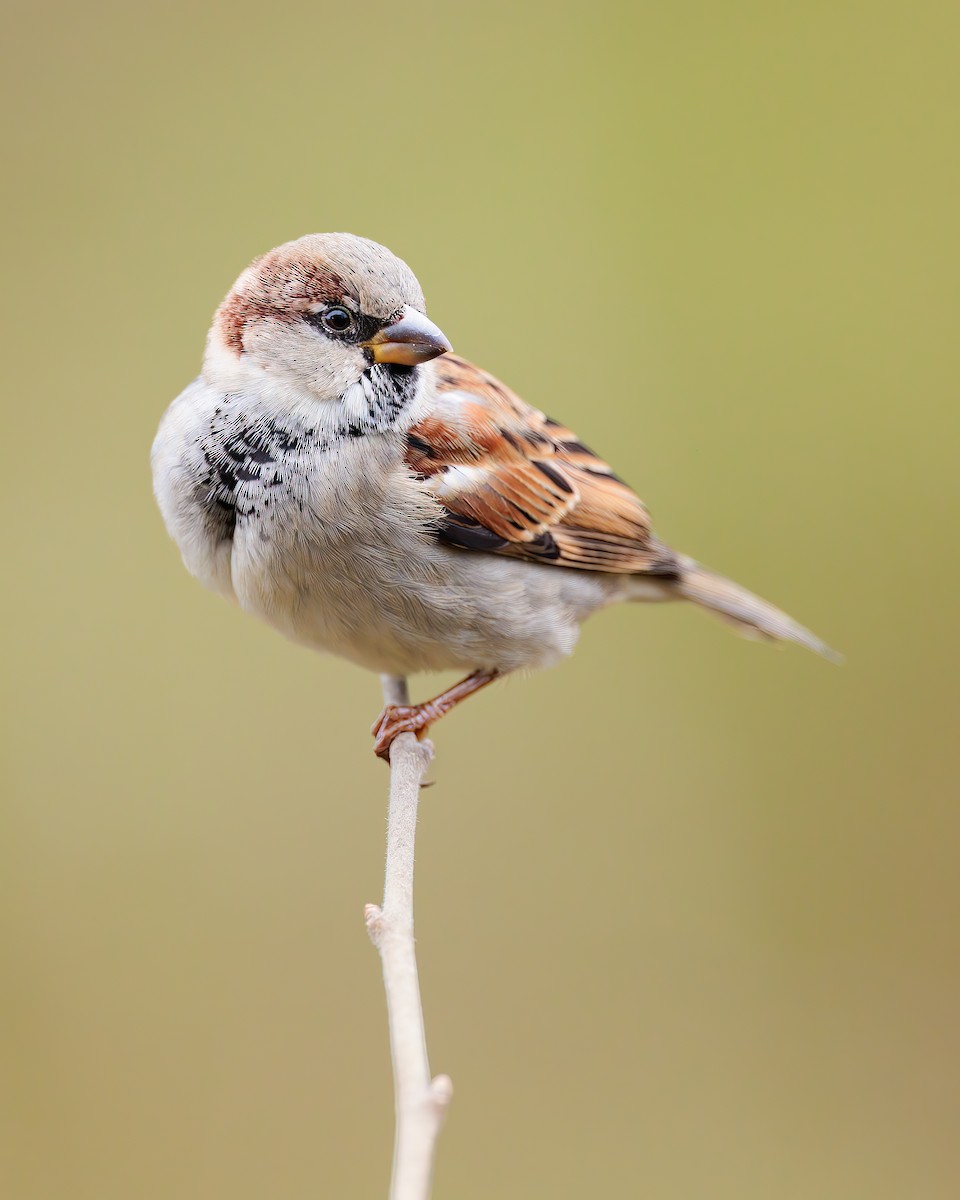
{"points": [[224, 467], [332, 541], [331, 537]]}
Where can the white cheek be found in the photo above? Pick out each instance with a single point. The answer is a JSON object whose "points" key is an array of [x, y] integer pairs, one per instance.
{"points": [[305, 358]]}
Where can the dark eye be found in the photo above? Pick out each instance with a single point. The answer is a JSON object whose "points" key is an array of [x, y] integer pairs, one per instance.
{"points": [[336, 319]]}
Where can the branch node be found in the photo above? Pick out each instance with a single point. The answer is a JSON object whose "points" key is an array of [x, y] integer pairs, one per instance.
{"points": [[441, 1093], [373, 919]]}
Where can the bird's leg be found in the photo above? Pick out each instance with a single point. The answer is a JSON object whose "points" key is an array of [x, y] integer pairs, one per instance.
{"points": [[417, 718]]}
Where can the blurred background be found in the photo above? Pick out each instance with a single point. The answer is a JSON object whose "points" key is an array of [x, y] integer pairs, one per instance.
{"points": [[687, 907]]}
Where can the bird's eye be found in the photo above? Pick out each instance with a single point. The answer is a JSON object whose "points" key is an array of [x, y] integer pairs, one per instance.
{"points": [[336, 319]]}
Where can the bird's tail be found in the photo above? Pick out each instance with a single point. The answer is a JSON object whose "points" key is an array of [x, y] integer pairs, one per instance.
{"points": [[750, 615]]}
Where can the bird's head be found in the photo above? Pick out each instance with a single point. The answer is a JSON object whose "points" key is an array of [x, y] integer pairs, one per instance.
{"points": [[329, 319]]}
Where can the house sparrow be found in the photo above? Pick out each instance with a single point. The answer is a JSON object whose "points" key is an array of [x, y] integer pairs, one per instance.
{"points": [[337, 471]]}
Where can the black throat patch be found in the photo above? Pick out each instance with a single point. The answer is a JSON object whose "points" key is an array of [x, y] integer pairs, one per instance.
{"points": [[389, 389]]}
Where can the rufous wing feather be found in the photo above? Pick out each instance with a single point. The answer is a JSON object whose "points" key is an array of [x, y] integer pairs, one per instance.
{"points": [[512, 481]]}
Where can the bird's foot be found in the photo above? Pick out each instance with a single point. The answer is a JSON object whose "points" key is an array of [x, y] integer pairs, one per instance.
{"points": [[402, 718], [417, 718]]}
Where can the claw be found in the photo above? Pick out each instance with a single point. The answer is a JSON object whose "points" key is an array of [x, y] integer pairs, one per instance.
{"points": [[394, 720]]}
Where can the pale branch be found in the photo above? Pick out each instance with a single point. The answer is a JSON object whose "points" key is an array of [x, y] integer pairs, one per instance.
{"points": [[420, 1102]]}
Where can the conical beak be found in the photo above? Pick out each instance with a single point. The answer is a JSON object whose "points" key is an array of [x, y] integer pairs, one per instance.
{"points": [[411, 340]]}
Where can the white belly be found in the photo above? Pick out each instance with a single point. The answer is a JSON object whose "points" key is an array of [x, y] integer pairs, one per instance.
{"points": [[359, 573], [334, 548]]}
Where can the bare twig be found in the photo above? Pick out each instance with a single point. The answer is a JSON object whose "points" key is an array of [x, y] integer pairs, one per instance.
{"points": [[421, 1102]]}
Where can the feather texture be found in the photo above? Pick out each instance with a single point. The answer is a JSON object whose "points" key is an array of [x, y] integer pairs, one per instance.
{"points": [[512, 481]]}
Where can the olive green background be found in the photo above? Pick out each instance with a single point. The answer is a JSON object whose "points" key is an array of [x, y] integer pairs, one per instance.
{"points": [[687, 907]]}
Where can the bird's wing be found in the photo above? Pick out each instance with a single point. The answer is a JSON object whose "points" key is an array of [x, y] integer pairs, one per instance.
{"points": [[512, 481]]}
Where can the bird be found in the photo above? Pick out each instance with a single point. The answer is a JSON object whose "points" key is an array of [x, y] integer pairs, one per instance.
{"points": [[339, 472]]}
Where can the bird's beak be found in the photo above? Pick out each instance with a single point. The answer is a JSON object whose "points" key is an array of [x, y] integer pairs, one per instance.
{"points": [[411, 340]]}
